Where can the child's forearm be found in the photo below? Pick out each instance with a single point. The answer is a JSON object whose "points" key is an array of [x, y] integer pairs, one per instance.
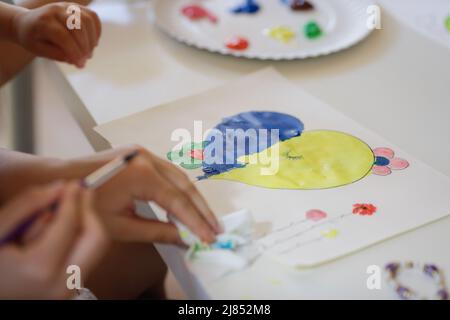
{"points": [[19, 171], [12, 57], [7, 14], [31, 4]]}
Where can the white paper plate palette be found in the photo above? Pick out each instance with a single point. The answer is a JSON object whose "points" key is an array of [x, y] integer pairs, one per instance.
{"points": [[274, 32]]}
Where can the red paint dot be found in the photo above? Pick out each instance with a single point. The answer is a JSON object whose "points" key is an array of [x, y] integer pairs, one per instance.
{"points": [[237, 43], [196, 154], [195, 12]]}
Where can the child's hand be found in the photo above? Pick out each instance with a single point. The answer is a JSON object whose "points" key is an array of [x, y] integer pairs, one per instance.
{"points": [[149, 178], [44, 32], [74, 235]]}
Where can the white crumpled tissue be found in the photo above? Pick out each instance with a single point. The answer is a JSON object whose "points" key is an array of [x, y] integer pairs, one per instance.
{"points": [[233, 250]]}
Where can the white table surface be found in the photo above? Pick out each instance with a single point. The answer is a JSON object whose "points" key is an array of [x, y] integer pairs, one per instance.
{"points": [[395, 83]]}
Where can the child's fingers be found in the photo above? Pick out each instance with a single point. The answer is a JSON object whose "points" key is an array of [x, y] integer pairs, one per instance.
{"points": [[93, 241], [59, 36], [37, 229], [136, 229], [97, 24], [87, 36], [79, 37], [27, 204], [182, 182], [91, 34], [179, 204], [50, 51], [56, 244]]}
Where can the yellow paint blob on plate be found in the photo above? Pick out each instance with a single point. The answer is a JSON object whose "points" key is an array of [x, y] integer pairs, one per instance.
{"points": [[283, 34], [315, 160]]}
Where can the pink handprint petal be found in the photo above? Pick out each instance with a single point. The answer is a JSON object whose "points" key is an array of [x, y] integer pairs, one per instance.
{"points": [[398, 164], [315, 215], [381, 170], [384, 152]]}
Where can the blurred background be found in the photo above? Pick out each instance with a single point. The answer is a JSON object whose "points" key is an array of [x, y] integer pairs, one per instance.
{"points": [[50, 116], [41, 112]]}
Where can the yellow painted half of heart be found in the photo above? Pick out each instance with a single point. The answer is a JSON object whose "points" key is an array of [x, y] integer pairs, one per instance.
{"points": [[315, 160]]}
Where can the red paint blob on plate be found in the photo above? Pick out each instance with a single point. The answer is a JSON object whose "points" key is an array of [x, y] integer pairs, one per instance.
{"points": [[237, 43], [196, 12]]}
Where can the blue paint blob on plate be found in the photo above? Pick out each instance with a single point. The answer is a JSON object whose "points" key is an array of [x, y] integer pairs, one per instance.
{"points": [[250, 7]]}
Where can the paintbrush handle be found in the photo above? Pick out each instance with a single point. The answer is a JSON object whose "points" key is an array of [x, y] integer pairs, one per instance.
{"points": [[26, 224]]}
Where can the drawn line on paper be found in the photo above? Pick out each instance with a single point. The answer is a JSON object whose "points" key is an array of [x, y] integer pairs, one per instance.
{"points": [[280, 241], [313, 216]]}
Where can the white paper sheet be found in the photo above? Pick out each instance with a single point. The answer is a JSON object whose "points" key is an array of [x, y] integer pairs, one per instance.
{"points": [[405, 200]]}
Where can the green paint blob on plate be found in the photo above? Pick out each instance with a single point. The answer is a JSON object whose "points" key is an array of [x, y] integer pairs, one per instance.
{"points": [[312, 30], [447, 23]]}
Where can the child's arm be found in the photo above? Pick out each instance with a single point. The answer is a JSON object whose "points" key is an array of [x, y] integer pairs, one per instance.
{"points": [[147, 178], [25, 33], [32, 4], [13, 58]]}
